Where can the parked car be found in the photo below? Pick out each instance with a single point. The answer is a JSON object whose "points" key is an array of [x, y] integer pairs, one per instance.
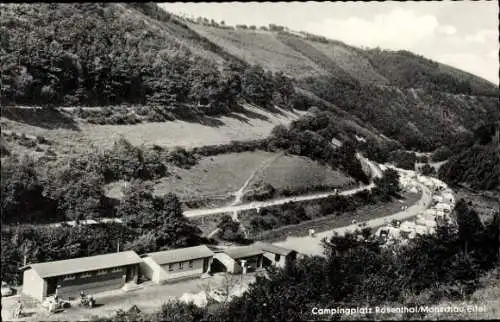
{"points": [[7, 290]]}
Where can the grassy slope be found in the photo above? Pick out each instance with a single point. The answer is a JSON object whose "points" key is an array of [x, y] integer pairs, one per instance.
{"points": [[222, 175], [351, 61], [292, 172], [257, 123], [488, 296], [261, 47]]}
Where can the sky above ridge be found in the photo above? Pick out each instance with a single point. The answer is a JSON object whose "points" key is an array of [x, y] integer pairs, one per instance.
{"points": [[463, 34]]}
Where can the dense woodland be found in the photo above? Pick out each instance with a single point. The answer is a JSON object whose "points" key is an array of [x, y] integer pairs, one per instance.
{"points": [[478, 165], [358, 271], [71, 188], [88, 55]]}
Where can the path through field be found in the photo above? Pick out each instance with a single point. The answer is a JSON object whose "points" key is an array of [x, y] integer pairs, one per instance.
{"points": [[241, 192]]}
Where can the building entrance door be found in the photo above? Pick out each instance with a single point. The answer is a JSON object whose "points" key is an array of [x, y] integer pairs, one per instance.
{"points": [[205, 265], [51, 286]]}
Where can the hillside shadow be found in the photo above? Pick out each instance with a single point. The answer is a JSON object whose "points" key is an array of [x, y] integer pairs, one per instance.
{"points": [[204, 120], [239, 117], [237, 112], [42, 117], [240, 111]]}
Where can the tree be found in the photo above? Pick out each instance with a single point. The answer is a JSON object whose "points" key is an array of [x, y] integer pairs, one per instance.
{"points": [[388, 185], [162, 216], [138, 208], [427, 170], [22, 190], [76, 185], [441, 154], [469, 224], [229, 229]]}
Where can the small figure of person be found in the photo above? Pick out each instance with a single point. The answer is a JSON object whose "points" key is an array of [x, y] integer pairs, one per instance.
{"points": [[19, 309]]}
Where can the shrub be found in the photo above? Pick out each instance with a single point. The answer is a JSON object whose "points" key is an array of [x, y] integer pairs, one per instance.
{"points": [[182, 158], [403, 159], [441, 154], [427, 170], [42, 140]]}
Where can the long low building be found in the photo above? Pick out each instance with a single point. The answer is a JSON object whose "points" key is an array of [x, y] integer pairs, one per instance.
{"points": [[69, 277], [276, 255], [237, 260], [177, 264]]}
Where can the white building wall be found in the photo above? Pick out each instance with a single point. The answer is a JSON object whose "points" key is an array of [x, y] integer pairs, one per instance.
{"points": [[231, 265], [34, 285], [173, 271], [150, 269], [160, 274], [272, 258]]}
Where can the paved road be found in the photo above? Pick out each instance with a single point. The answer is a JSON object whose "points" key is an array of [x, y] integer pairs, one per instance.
{"points": [[274, 202], [313, 246]]}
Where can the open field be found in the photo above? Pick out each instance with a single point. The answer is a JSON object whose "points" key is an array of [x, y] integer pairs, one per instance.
{"points": [[220, 176], [214, 176], [333, 221], [70, 136], [299, 172]]}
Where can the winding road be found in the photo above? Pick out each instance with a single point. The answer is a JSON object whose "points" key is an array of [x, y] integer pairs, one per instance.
{"points": [[312, 245]]}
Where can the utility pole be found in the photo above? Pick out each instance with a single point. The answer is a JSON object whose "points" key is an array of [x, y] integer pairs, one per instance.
{"points": [[496, 142]]}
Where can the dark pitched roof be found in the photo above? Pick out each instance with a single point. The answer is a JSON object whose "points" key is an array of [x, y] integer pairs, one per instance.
{"points": [[84, 264], [180, 255], [243, 251], [270, 248]]}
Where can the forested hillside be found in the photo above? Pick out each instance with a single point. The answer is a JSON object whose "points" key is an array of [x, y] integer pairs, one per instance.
{"points": [[96, 54], [165, 67], [477, 165]]}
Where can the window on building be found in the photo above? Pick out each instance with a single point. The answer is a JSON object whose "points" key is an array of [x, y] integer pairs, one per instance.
{"points": [[170, 267], [277, 258], [69, 277], [190, 264], [102, 272], [181, 264], [85, 275], [116, 270]]}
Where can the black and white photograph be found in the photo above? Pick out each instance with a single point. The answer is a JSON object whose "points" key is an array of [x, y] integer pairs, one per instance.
{"points": [[250, 161]]}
